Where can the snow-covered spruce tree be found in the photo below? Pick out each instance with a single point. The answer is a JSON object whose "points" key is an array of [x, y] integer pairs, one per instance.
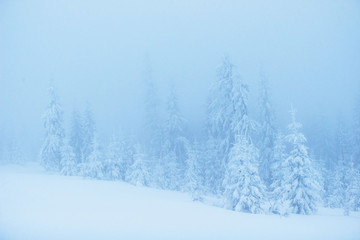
{"points": [[279, 171], [138, 173], [69, 165], [212, 166], [356, 136], [322, 154], [88, 134], [220, 112], [119, 158], [170, 176], [338, 178], [267, 133], [175, 139], [194, 174], [113, 169], [244, 190], [50, 154], [352, 190], [76, 136], [300, 191], [93, 167]]}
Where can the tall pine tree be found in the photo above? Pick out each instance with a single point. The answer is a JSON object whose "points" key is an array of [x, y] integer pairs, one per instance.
{"points": [[54, 134], [244, 190], [267, 132], [299, 193]]}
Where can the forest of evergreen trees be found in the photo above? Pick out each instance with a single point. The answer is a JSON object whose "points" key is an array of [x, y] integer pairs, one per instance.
{"points": [[249, 163]]}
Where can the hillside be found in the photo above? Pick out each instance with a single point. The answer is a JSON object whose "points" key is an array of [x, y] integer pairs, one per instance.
{"points": [[38, 205]]}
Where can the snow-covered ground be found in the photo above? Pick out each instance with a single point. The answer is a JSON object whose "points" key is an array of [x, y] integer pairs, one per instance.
{"points": [[37, 205]]}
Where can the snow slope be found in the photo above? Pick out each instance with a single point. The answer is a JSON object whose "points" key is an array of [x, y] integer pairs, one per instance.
{"points": [[37, 205]]}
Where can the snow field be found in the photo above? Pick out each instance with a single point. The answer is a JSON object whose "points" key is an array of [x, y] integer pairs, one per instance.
{"points": [[36, 205]]}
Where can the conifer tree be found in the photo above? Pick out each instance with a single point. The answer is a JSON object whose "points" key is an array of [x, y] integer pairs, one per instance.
{"points": [[220, 117], [113, 164], [220, 109], [267, 133], [93, 167], [54, 134], [212, 165], [244, 190], [88, 134], [68, 160], [175, 142], [300, 191], [352, 190], [138, 173], [338, 179], [76, 136], [194, 173]]}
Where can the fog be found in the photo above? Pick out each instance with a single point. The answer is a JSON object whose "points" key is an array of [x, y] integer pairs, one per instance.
{"points": [[95, 53]]}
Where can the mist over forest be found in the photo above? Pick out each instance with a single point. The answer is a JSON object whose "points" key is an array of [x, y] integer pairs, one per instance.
{"points": [[252, 104], [96, 54]]}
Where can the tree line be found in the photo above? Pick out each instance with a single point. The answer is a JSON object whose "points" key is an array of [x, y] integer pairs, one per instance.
{"points": [[249, 163]]}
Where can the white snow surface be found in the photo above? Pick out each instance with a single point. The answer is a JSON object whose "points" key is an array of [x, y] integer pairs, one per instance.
{"points": [[38, 205]]}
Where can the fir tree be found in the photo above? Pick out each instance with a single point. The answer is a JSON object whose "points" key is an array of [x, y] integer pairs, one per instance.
{"points": [[279, 170], [54, 134], [171, 178], [338, 179], [138, 173], [220, 110], [212, 167], [112, 165], [88, 134], [76, 136], [352, 190], [243, 187], [267, 133], [94, 166], [68, 161], [300, 190], [176, 141], [194, 173], [244, 190]]}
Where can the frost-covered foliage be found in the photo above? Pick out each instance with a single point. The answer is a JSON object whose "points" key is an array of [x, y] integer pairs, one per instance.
{"points": [[267, 133], [50, 154], [212, 167], [88, 134], [93, 167], [113, 166], [138, 173], [243, 188], [352, 190], [174, 150], [68, 160], [299, 191], [76, 136], [194, 172], [119, 157], [278, 168], [220, 109], [337, 177], [249, 165], [171, 178]]}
